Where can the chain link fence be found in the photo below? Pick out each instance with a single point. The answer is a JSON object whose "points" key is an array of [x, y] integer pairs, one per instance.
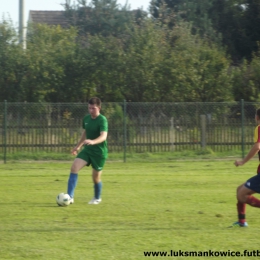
{"points": [[133, 127]]}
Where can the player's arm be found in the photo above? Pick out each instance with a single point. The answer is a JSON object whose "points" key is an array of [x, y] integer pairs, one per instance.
{"points": [[80, 143], [255, 148], [100, 139]]}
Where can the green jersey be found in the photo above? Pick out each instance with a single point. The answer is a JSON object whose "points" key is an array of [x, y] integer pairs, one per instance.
{"points": [[93, 129]]}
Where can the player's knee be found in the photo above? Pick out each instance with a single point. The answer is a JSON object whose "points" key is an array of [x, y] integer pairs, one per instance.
{"points": [[96, 179], [241, 196], [242, 199], [237, 191], [74, 168]]}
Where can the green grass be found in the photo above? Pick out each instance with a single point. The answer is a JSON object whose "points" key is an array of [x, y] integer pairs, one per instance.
{"points": [[160, 206], [201, 153]]}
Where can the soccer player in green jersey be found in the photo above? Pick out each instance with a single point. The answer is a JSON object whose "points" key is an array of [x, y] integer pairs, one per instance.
{"points": [[252, 185], [94, 152]]}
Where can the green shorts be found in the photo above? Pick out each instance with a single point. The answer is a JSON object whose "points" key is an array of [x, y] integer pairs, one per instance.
{"points": [[96, 162]]}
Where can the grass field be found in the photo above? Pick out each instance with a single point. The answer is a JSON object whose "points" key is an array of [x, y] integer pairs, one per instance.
{"points": [[160, 206]]}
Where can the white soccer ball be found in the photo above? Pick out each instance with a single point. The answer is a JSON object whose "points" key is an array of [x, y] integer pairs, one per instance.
{"points": [[63, 199]]}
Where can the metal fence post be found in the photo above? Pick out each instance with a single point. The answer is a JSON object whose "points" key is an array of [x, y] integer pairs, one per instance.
{"points": [[5, 129], [242, 128], [172, 134], [203, 130], [125, 137]]}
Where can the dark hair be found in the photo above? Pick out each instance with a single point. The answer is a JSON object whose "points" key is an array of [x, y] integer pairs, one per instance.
{"points": [[258, 112], [95, 101]]}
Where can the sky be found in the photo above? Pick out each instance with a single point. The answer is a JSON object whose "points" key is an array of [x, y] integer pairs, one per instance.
{"points": [[10, 8]]}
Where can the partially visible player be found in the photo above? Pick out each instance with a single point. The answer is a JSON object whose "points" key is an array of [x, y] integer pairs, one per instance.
{"points": [[94, 152], [252, 185]]}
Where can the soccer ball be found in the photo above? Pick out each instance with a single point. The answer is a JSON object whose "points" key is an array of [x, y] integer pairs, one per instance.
{"points": [[63, 199]]}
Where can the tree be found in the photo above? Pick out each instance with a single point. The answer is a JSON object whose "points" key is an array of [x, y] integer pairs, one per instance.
{"points": [[228, 19], [51, 53], [191, 11], [247, 80], [12, 65], [151, 61], [160, 64], [104, 17], [252, 20], [142, 55], [232, 23], [99, 63], [195, 70]]}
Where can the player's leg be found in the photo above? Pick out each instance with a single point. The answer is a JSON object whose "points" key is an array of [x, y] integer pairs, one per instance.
{"points": [[97, 164], [77, 165], [245, 193], [241, 207], [244, 196], [96, 177]]}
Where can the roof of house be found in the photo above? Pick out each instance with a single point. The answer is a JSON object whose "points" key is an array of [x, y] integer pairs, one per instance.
{"points": [[55, 17], [48, 17]]}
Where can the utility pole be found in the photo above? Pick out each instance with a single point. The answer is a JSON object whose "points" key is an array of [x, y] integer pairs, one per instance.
{"points": [[22, 28]]}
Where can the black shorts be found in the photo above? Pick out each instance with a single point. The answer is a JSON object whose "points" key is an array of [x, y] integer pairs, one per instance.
{"points": [[254, 183]]}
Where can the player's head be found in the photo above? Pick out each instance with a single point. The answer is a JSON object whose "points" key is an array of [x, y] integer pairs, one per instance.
{"points": [[257, 115], [94, 106], [95, 101]]}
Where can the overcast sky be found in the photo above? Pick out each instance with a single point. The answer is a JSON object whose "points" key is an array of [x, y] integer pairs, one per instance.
{"points": [[10, 8]]}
